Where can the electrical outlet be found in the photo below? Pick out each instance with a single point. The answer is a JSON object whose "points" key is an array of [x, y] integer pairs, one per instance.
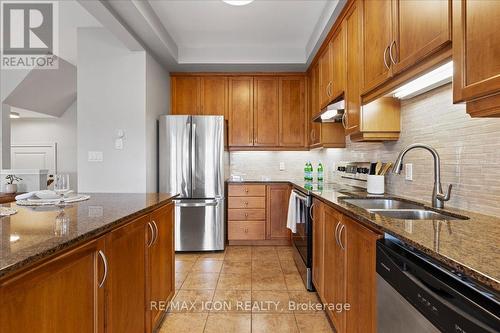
{"points": [[409, 171], [282, 166]]}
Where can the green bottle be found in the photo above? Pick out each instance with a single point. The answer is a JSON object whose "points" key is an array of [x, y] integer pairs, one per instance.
{"points": [[309, 172], [306, 172], [320, 172]]}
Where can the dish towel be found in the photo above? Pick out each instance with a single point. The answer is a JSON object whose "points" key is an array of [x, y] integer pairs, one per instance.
{"points": [[291, 221]]}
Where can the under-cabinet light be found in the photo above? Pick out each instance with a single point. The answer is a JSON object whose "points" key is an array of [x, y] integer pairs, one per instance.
{"points": [[238, 2], [426, 82]]}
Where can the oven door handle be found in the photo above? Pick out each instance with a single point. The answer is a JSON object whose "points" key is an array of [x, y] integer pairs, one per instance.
{"points": [[300, 196]]}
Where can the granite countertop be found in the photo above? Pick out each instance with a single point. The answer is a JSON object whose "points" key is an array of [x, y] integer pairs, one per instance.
{"points": [[34, 233], [471, 246]]}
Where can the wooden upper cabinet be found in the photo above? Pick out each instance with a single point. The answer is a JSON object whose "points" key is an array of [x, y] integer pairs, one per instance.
{"points": [[354, 65], [125, 290], [160, 271], [325, 77], [277, 209], [420, 28], [61, 295], [476, 56], [185, 95], [338, 64], [314, 109], [241, 111], [214, 96], [292, 112], [266, 111], [377, 38]]}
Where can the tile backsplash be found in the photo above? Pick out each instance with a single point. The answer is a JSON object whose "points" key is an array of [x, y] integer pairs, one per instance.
{"points": [[469, 149]]}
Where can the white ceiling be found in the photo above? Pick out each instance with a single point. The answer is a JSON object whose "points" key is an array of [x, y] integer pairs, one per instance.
{"points": [[191, 34], [213, 31]]}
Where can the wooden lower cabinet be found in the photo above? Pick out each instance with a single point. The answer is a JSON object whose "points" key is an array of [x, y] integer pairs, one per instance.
{"points": [[60, 295], [334, 289], [257, 214], [160, 272], [360, 276], [277, 211], [318, 224], [104, 285], [344, 271], [125, 294]]}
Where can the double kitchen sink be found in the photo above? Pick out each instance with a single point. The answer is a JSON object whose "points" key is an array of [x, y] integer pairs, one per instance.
{"points": [[399, 209]]}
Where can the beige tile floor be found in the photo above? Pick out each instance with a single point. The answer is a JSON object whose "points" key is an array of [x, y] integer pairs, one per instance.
{"points": [[244, 289]]}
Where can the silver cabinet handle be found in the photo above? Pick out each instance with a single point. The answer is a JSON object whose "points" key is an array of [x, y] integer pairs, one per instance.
{"points": [[390, 52], [155, 239], [336, 234], [152, 234], [344, 121], [340, 236], [385, 57], [311, 212], [105, 262]]}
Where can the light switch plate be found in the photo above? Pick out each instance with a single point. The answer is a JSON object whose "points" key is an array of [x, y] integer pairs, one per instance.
{"points": [[119, 144], [282, 166], [95, 156], [409, 171]]}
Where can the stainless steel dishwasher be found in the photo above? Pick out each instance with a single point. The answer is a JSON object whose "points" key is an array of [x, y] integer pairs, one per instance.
{"points": [[415, 294]]}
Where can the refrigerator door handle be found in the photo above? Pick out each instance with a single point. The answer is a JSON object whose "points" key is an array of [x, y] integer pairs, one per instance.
{"points": [[195, 204], [193, 157]]}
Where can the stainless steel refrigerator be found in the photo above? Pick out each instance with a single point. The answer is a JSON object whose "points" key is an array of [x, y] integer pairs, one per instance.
{"points": [[191, 163]]}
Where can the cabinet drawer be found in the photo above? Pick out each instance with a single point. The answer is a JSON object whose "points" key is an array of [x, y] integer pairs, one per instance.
{"points": [[247, 202], [247, 230], [247, 190], [246, 214]]}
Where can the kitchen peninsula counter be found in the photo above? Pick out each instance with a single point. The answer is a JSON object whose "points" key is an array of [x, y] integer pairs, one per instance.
{"points": [[34, 234]]}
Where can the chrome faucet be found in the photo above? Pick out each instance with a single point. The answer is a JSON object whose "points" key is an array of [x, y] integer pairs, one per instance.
{"points": [[438, 197]]}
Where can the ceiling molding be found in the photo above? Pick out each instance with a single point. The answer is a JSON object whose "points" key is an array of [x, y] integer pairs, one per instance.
{"points": [[136, 23], [325, 23], [101, 11]]}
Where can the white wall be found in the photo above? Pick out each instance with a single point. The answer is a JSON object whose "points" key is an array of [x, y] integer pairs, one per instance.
{"points": [[111, 96], [157, 103], [60, 130], [118, 89]]}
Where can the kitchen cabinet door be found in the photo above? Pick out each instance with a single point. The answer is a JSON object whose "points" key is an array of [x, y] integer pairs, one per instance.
{"points": [[125, 288], [240, 111], [266, 111], [314, 109], [185, 95], [338, 65], [214, 96], [476, 56], [377, 38], [334, 289], [354, 64], [325, 77], [160, 272], [292, 114], [318, 225], [360, 276], [62, 295], [421, 27], [277, 210]]}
